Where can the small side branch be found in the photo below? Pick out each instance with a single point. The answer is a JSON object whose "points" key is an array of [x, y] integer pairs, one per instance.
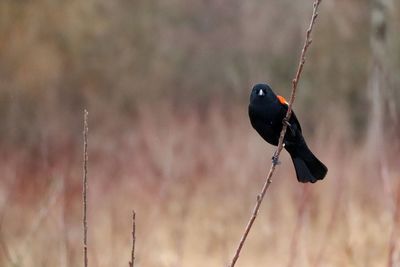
{"points": [[268, 179], [132, 262], [85, 187]]}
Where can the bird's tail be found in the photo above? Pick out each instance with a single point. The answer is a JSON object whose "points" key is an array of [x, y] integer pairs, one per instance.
{"points": [[308, 167]]}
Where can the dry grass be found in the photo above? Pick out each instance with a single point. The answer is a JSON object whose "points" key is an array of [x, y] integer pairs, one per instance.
{"points": [[192, 177], [191, 174]]}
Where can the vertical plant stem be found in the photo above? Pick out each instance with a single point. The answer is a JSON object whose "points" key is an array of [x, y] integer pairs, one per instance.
{"points": [[85, 186], [268, 179], [132, 262]]}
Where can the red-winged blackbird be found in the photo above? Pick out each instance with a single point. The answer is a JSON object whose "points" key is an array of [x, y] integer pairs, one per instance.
{"points": [[266, 112]]}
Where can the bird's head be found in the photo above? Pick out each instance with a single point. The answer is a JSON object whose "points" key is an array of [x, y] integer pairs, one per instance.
{"points": [[262, 92]]}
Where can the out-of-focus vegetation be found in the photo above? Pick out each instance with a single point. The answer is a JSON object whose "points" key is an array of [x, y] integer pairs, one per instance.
{"points": [[58, 57], [166, 84]]}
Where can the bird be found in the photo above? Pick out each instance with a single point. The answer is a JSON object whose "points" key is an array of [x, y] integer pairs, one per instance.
{"points": [[267, 112]]}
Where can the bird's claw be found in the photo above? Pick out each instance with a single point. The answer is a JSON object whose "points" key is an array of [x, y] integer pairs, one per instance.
{"points": [[275, 159], [286, 122]]}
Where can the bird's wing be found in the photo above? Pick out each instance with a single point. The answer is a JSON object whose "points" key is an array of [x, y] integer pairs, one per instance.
{"points": [[293, 119], [282, 100]]}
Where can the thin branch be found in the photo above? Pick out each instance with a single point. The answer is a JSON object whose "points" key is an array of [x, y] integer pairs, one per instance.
{"points": [[132, 262], [85, 187], [268, 179]]}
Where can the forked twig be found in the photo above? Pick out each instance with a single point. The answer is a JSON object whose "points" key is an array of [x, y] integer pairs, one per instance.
{"points": [[132, 262], [268, 179], [85, 187]]}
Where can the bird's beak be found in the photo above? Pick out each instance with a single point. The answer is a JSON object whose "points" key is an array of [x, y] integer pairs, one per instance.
{"points": [[261, 92]]}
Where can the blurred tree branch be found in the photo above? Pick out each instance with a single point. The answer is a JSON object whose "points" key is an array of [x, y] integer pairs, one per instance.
{"points": [[275, 160], [132, 261], [85, 187]]}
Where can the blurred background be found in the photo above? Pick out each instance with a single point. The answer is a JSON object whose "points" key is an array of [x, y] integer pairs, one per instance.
{"points": [[166, 84]]}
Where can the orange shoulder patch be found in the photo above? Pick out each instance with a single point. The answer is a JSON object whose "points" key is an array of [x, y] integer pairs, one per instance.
{"points": [[282, 100]]}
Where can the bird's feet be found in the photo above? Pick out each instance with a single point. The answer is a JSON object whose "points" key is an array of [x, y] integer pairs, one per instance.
{"points": [[286, 122], [275, 159]]}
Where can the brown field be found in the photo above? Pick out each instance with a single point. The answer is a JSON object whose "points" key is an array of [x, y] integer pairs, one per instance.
{"points": [[192, 178], [166, 84]]}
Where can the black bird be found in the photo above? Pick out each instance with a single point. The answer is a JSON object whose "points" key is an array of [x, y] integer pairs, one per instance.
{"points": [[267, 111]]}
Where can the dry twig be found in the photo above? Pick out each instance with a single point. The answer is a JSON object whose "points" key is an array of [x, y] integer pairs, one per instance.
{"points": [[132, 262], [268, 179], [85, 187]]}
